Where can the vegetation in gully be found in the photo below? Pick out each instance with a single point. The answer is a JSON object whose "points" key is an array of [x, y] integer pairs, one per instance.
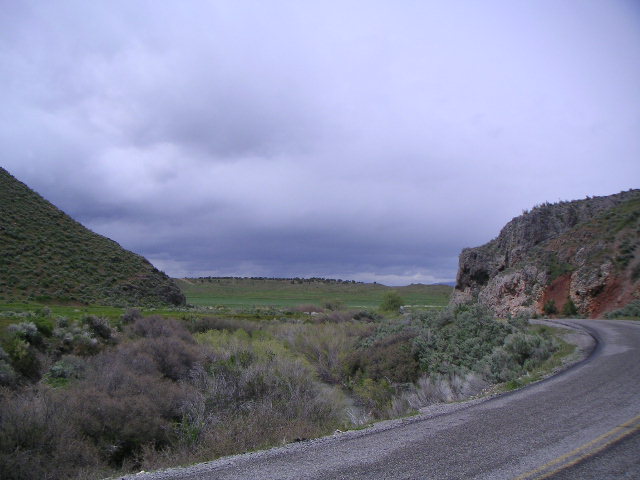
{"points": [[88, 396]]}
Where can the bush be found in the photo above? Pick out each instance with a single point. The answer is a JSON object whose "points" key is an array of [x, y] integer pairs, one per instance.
{"points": [[529, 350], [569, 309], [99, 326], [44, 325], [27, 331], [366, 316], [68, 367], [39, 441], [7, 373], [308, 308], [500, 366], [170, 357], [439, 388], [131, 315], [200, 324], [456, 340], [374, 395], [24, 359], [550, 307], [155, 327], [391, 302], [631, 310], [391, 357], [333, 304], [121, 408], [324, 345]]}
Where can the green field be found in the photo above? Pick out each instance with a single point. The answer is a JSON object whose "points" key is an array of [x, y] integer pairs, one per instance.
{"points": [[235, 292], [16, 312]]}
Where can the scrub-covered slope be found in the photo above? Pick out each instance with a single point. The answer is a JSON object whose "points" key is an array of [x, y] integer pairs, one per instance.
{"points": [[46, 255]]}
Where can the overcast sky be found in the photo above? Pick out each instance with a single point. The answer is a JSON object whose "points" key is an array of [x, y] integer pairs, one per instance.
{"points": [[366, 140]]}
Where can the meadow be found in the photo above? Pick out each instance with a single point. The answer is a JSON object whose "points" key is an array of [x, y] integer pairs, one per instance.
{"points": [[229, 291]]}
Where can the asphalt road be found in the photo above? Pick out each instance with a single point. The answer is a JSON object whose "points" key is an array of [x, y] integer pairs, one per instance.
{"points": [[588, 417]]}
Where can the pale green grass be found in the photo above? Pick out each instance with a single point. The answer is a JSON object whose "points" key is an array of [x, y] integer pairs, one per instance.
{"points": [[284, 293]]}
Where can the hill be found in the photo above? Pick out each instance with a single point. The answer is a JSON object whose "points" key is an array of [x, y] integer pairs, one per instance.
{"points": [[286, 292], [45, 255], [585, 251]]}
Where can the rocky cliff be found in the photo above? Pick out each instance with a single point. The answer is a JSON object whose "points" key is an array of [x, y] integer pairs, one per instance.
{"points": [[584, 250]]}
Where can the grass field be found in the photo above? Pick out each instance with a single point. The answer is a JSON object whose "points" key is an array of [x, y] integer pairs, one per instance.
{"points": [[234, 295], [12, 312], [287, 292]]}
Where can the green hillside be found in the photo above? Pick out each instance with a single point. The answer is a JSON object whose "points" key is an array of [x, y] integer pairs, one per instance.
{"points": [[45, 255], [210, 291]]}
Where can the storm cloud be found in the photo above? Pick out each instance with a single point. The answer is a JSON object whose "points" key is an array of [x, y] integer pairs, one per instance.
{"points": [[364, 140]]}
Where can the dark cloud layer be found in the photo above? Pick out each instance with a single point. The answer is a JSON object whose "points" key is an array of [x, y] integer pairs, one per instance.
{"points": [[366, 140]]}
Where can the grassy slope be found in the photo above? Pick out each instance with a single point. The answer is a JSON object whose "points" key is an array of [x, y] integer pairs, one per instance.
{"points": [[615, 230], [247, 291], [46, 255]]}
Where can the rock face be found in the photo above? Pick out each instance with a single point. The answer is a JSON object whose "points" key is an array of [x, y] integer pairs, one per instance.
{"points": [[585, 250]]}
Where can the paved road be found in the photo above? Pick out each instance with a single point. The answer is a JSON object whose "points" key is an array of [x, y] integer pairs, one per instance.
{"points": [[621, 460], [527, 434]]}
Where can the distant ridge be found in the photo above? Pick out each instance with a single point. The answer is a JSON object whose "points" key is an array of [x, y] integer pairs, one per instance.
{"points": [[45, 255]]}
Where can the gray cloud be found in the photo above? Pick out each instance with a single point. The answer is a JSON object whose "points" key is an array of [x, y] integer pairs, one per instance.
{"points": [[365, 140]]}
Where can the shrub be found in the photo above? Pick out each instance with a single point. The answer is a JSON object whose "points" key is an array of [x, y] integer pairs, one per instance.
{"points": [[24, 359], [529, 350], [82, 343], [154, 327], [569, 308], [7, 373], [440, 388], [324, 345], [99, 326], [200, 324], [70, 366], [457, 340], [550, 307], [334, 317], [391, 357], [374, 395], [333, 304], [171, 357], [500, 366], [131, 315], [39, 441], [121, 410], [366, 316], [27, 331], [391, 302], [635, 272], [630, 310], [308, 308], [44, 324]]}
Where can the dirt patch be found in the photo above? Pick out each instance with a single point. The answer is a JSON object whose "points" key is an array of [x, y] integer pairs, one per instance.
{"points": [[616, 294], [558, 291]]}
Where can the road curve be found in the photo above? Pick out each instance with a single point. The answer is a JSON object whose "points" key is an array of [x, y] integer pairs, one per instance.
{"points": [[542, 431]]}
